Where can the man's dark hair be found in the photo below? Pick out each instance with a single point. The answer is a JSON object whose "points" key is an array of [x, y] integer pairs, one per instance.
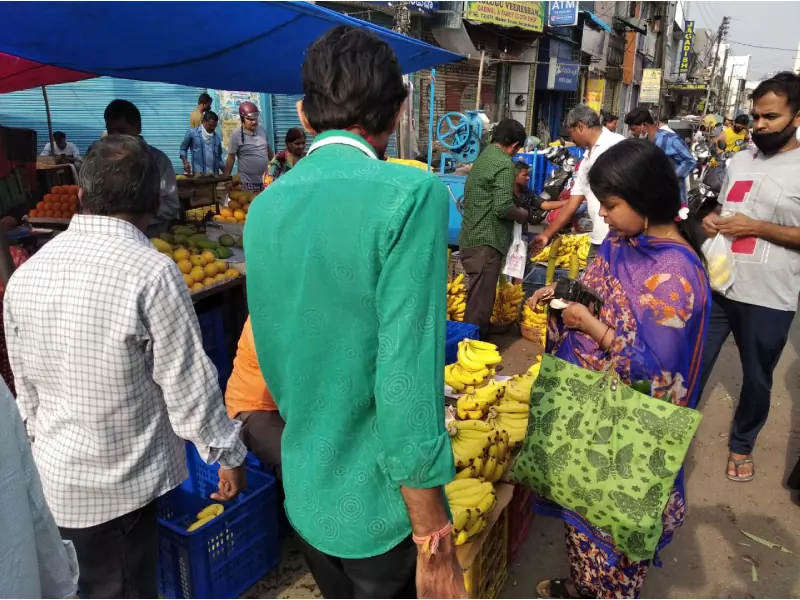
{"points": [[664, 120], [122, 109], [608, 117], [785, 84], [520, 166], [204, 99], [120, 176], [742, 120], [352, 77], [210, 115], [639, 116], [702, 127], [59, 135], [508, 132]]}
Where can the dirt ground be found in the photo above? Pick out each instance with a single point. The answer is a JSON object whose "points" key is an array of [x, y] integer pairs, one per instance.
{"points": [[709, 556]]}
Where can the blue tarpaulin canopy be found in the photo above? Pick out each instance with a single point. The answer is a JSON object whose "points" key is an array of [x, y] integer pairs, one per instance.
{"points": [[254, 46]]}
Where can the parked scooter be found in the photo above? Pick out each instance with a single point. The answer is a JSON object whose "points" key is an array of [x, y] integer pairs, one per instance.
{"points": [[559, 180], [704, 198]]}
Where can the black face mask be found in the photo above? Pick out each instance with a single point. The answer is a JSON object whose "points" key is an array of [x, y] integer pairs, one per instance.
{"points": [[771, 143]]}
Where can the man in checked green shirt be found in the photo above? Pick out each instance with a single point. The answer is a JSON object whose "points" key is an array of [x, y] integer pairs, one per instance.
{"points": [[489, 216], [346, 283]]}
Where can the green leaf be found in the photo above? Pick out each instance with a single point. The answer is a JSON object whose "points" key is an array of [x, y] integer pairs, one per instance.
{"points": [[767, 543]]}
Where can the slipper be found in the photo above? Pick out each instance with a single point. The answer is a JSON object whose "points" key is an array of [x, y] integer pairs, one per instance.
{"points": [[738, 462], [555, 588]]}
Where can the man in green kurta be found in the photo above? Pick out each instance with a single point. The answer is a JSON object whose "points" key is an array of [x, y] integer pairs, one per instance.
{"points": [[346, 269], [489, 216]]}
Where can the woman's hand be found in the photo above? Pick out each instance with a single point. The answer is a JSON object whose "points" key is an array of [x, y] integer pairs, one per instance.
{"points": [[576, 316], [542, 295]]}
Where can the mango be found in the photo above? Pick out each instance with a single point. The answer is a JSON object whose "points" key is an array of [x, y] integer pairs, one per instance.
{"points": [[226, 240]]}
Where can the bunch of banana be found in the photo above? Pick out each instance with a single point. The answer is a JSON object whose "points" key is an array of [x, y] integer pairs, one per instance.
{"points": [[518, 388], [506, 303], [570, 244], [719, 271], [476, 361], [456, 299], [204, 516], [471, 501], [533, 370], [476, 402], [469, 439], [534, 318], [511, 416]]}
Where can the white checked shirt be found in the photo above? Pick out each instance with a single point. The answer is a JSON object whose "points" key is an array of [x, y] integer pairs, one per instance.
{"points": [[110, 372], [581, 187]]}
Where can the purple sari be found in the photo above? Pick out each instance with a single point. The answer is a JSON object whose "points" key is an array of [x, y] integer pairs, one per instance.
{"points": [[657, 299]]}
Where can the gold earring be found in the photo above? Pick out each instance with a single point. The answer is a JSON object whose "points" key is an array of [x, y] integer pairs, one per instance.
{"points": [[646, 225]]}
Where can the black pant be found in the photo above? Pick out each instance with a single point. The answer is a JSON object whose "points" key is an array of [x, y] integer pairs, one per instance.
{"points": [[261, 433], [482, 265], [117, 559], [389, 575], [760, 334]]}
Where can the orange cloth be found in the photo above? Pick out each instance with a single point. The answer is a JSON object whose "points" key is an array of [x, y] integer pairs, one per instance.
{"points": [[247, 389]]}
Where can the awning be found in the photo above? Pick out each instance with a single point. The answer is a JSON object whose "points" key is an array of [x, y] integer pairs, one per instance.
{"points": [[599, 22], [20, 74], [255, 46]]}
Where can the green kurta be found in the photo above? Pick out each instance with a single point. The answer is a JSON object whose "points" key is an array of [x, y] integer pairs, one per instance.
{"points": [[346, 283]]}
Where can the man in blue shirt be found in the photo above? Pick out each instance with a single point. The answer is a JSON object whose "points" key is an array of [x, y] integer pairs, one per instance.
{"points": [[643, 125], [206, 146]]}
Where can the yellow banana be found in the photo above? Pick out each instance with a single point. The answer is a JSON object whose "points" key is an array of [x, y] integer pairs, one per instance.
{"points": [[472, 424], [500, 470], [477, 466], [469, 497], [212, 510], [512, 407], [464, 473], [488, 467], [468, 377], [501, 449], [486, 357], [465, 360], [458, 279], [460, 517], [475, 414], [462, 538], [461, 485], [478, 344], [199, 523], [485, 506]]}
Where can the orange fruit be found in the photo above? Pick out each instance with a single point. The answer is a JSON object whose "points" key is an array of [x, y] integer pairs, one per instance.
{"points": [[33, 213], [47, 197], [73, 189], [56, 189], [39, 205]]}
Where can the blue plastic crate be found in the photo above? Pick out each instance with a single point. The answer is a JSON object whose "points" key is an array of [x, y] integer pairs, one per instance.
{"points": [[214, 343], [456, 332], [228, 555]]}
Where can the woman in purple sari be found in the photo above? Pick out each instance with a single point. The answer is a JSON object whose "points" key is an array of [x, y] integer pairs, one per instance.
{"points": [[656, 301]]}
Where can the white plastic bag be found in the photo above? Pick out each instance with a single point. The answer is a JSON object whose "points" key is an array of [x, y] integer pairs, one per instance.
{"points": [[720, 262], [517, 254]]}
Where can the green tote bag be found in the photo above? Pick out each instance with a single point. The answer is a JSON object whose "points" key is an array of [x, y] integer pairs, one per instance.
{"points": [[604, 450]]}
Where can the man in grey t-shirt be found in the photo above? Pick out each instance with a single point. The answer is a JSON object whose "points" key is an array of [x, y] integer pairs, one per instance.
{"points": [[760, 216], [248, 143]]}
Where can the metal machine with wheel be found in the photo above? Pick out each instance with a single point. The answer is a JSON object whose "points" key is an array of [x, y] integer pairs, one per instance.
{"points": [[463, 135]]}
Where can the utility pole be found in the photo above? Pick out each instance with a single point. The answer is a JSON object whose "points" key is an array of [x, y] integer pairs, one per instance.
{"points": [[721, 90], [722, 32], [663, 32]]}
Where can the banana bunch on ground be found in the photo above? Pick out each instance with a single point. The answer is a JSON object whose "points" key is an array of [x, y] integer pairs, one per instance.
{"points": [[534, 318], [510, 416], [506, 303], [476, 361], [571, 245], [210, 512], [456, 299], [471, 500], [475, 403]]}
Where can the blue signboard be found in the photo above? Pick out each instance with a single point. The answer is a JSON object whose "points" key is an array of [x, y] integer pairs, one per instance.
{"points": [[562, 14], [563, 75], [420, 6]]}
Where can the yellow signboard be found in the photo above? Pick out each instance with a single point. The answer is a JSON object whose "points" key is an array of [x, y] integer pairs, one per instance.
{"points": [[594, 94], [525, 15], [651, 86]]}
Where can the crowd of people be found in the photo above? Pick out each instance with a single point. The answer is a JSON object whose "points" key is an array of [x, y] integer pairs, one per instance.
{"points": [[337, 381]]}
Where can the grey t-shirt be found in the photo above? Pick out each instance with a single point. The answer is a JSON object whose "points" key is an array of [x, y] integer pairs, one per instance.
{"points": [[251, 153], [768, 189]]}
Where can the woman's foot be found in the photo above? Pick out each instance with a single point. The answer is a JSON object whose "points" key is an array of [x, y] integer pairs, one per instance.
{"points": [[557, 588], [740, 467]]}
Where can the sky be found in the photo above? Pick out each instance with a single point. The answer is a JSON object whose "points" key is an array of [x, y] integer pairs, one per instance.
{"points": [[773, 25]]}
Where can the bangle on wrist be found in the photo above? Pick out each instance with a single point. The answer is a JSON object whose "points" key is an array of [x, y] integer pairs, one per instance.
{"points": [[603, 339]]}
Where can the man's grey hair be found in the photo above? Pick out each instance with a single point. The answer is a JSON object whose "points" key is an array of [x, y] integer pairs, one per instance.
{"points": [[583, 114], [119, 175]]}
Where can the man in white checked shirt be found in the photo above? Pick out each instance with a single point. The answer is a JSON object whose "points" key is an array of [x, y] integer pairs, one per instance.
{"points": [[111, 374]]}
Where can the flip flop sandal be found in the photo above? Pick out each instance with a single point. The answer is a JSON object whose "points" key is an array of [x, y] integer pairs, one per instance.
{"points": [[738, 462], [555, 588]]}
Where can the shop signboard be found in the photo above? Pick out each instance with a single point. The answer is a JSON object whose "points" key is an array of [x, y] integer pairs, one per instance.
{"points": [[562, 14], [562, 75], [594, 94], [524, 15], [687, 87], [425, 7], [686, 48], [651, 86]]}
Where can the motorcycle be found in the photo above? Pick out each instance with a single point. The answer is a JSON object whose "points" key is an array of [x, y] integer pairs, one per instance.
{"points": [[558, 181], [704, 198], [702, 155]]}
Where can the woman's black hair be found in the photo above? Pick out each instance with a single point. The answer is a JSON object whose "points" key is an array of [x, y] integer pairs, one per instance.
{"points": [[351, 77], [295, 133], [640, 173]]}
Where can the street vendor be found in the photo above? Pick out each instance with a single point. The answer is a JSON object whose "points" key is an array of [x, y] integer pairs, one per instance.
{"points": [[205, 145], [123, 118], [67, 151], [286, 159], [249, 145]]}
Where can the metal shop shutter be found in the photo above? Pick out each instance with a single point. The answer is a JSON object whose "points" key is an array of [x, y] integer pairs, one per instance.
{"points": [[77, 110]]}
